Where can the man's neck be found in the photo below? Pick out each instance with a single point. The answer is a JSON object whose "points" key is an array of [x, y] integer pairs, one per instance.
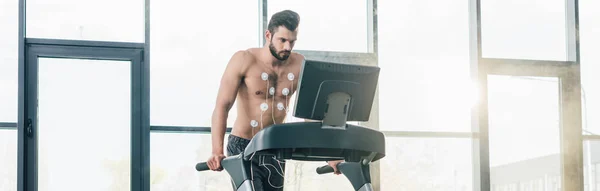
{"points": [[269, 59]]}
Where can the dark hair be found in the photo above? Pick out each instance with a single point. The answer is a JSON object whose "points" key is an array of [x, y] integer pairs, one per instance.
{"points": [[287, 18]]}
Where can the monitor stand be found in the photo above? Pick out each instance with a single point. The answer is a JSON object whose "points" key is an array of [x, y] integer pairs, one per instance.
{"points": [[336, 111]]}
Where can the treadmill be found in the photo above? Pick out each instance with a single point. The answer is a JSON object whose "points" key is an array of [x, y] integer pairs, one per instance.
{"points": [[330, 94]]}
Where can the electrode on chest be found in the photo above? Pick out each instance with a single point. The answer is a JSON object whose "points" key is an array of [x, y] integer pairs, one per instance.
{"points": [[272, 91], [285, 91], [254, 123], [264, 76], [264, 106]]}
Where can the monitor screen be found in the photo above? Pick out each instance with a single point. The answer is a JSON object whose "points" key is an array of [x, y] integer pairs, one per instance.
{"points": [[322, 84]]}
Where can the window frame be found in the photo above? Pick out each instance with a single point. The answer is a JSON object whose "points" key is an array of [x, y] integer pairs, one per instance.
{"points": [[74, 49], [8, 125], [314, 54], [568, 72]]}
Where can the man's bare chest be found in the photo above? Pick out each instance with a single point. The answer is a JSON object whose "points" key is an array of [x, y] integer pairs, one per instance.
{"points": [[265, 83]]}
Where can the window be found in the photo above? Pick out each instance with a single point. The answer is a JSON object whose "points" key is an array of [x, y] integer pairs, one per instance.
{"points": [[327, 27], [589, 32], [427, 164], [9, 51], [173, 158], [191, 43], [82, 142], [524, 29], [591, 164], [109, 20], [174, 168], [301, 175], [425, 71], [523, 129], [8, 160]]}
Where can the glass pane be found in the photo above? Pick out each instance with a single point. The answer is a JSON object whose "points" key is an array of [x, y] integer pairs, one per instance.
{"points": [[301, 175], [427, 164], [524, 29], [424, 83], [108, 20], [591, 165], [173, 158], [9, 52], [189, 59], [327, 27], [8, 160], [524, 135], [172, 169], [82, 104], [589, 35]]}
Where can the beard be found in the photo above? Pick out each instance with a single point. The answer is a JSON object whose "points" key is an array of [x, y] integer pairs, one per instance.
{"points": [[276, 55]]}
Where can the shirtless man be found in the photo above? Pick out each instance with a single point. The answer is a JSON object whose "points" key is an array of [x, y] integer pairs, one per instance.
{"points": [[262, 80]]}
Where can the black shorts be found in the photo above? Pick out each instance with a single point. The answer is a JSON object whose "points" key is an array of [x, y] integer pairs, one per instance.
{"points": [[268, 172]]}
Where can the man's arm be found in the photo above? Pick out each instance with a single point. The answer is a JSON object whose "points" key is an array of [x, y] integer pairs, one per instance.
{"points": [[230, 82]]}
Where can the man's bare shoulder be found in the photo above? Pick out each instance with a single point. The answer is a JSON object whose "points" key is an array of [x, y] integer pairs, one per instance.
{"points": [[297, 59], [245, 56], [242, 59]]}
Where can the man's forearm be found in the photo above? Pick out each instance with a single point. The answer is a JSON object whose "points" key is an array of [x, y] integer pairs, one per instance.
{"points": [[218, 128]]}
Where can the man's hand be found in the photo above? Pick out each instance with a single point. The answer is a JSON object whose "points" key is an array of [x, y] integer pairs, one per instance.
{"points": [[334, 164], [214, 162]]}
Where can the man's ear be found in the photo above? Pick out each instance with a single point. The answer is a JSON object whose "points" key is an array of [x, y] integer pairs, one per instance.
{"points": [[268, 35]]}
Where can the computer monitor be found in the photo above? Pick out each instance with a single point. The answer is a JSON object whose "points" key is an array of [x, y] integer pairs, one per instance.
{"points": [[335, 93]]}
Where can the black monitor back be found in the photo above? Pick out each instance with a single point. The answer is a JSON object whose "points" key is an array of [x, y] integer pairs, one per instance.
{"points": [[318, 79]]}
